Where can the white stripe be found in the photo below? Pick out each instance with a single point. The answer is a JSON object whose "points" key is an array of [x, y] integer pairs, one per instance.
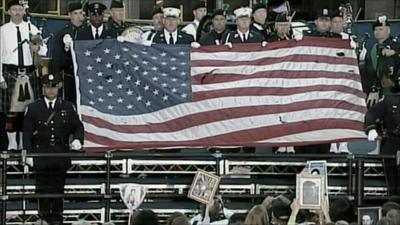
{"points": [[276, 53], [91, 144], [185, 109], [228, 126], [319, 135], [282, 66], [278, 83]]}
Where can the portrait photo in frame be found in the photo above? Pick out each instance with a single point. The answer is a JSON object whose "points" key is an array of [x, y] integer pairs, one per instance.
{"points": [[369, 215], [310, 190], [204, 187]]}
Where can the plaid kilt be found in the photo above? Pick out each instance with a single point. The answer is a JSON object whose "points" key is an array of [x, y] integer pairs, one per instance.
{"points": [[10, 77]]}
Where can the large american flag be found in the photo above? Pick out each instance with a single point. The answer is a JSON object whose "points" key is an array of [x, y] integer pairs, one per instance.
{"points": [[286, 94]]}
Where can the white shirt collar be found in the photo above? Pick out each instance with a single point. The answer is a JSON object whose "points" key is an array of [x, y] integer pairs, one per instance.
{"points": [[174, 35], [245, 34], [94, 30], [48, 101]]}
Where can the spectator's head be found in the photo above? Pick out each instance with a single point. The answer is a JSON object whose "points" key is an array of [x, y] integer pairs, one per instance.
{"points": [[280, 213], [219, 20], [237, 219], [258, 215], [178, 218], [381, 28], [145, 217], [199, 10], [16, 11], [260, 13], [323, 21], [342, 209], [243, 19], [337, 22], [341, 222], [282, 25], [96, 13], [366, 219], [117, 11], [384, 221], [171, 18], [389, 206], [157, 17], [214, 210], [394, 216]]}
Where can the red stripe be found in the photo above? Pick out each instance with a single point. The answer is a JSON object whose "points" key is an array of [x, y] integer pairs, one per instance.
{"points": [[240, 138], [217, 115], [271, 61], [212, 78], [251, 47], [275, 91]]}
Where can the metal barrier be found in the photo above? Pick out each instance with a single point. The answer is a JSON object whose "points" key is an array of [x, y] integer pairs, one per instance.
{"points": [[221, 162]]}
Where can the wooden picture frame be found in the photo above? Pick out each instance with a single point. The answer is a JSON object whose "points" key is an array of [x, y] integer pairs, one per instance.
{"points": [[204, 187]]}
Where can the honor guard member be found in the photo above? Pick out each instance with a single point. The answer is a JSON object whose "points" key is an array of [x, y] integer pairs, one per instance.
{"points": [[322, 26], [157, 17], [171, 35], [214, 37], [243, 34], [382, 122], [199, 11], [20, 46], [62, 59], [259, 20], [116, 24], [50, 122], [382, 63], [96, 29], [282, 29]]}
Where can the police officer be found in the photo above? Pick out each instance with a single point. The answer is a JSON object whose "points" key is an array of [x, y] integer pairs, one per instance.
{"points": [[322, 26], [382, 63], [243, 34], [116, 24], [199, 11], [171, 35], [96, 29], [282, 29], [382, 122], [157, 17], [62, 59], [49, 123], [19, 83], [214, 37], [259, 20]]}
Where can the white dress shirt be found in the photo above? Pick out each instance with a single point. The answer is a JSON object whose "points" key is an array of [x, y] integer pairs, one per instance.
{"points": [[246, 35], [47, 101], [100, 29], [191, 28], [174, 36], [9, 43]]}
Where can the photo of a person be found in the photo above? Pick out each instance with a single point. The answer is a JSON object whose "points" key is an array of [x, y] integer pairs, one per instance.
{"points": [[204, 186], [369, 215], [367, 220], [309, 190]]}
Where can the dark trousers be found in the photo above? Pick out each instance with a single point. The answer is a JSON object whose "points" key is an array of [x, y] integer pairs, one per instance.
{"points": [[50, 179], [390, 146], [313, 149], [3, 133], [69, 87]]}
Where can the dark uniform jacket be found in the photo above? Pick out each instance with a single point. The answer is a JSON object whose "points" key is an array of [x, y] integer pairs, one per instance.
{"points": [[264, 30], [40, 136], [86, 33], [273, 37], [316, 33], [379, 75], [62, 59], [182, 38], [234, 37], [385, 116], [213, 38], [114, 29]]}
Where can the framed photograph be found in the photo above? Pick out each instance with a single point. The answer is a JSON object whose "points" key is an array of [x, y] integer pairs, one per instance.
{"points": [[310, 189], [317, 167], [369, 215], [204, 186]]}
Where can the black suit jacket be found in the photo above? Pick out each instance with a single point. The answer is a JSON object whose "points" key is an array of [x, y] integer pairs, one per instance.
{"points": [[234, 37], [182, 38], [86, 33]]}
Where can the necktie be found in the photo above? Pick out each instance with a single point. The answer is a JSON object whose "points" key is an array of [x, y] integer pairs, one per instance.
{"points": [[20, 50], [243, 38], [171, 39], [97, 34], [50, 105]]}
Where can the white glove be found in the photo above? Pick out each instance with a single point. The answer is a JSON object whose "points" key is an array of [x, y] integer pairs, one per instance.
{"points": [[29, 161], [372, 135], [229, 44], [264, 44], [195, 44], [67, 42], [3, 85], [120, 39], [298, 37], [75, 145], [373, 98]]}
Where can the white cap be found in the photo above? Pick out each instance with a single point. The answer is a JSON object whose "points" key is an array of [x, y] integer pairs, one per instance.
{"points": [[244, 11], [171, 12]]}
